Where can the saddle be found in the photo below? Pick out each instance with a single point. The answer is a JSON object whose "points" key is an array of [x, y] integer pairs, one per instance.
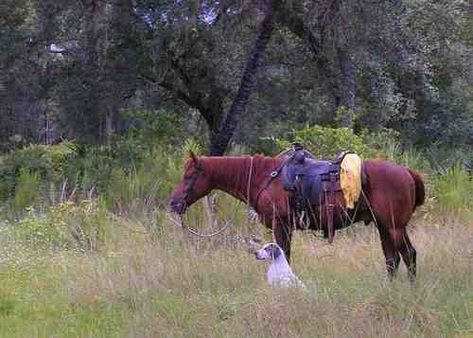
{"points": [[311, 183], [310, 180]]}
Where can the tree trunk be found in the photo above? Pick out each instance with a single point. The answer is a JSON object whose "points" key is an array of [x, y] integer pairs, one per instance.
{"points": [[347, 93], [212, 116], [94, 49], [247, 85]]}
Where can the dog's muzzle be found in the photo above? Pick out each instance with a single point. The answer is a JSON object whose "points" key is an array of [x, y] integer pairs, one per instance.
{"points": [[261, 255]]}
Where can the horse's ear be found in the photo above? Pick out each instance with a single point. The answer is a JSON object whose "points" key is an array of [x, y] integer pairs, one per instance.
{"points": [[192, 156]]}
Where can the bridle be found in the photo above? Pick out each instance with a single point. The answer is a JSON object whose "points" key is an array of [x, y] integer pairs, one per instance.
{"points": [[190, 180], [189, 192]]}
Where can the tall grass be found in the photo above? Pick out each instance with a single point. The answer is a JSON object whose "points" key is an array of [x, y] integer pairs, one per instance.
{"points": [[176, 285], [27, 191], [127, 182], [454, 191]]}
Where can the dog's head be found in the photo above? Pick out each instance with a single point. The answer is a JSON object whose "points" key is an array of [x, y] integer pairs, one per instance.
{"points": [[269, 252]]}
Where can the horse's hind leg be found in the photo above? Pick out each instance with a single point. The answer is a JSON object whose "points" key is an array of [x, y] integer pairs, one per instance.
{"points": [[390, 252], [408, 253]]}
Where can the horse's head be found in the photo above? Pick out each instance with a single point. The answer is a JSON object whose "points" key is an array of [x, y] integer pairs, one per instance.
{"points": [[193, 185]]}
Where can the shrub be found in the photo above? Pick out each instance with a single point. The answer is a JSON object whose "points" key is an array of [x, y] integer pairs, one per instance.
{"points": [[326, 142], [38, 230], [124, 175], [45, 162], [153, 127], [27, 191], [84, 226], [454, 190]]}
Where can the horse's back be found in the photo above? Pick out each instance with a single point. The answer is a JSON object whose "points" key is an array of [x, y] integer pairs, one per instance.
{"points": [[391, 190]]}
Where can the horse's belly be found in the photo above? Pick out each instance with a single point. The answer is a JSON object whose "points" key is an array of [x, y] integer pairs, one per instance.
{"points": [[318, 220]]}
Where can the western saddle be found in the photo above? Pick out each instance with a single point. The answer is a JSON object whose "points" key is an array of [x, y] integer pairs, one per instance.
{"points": [[311, 183]]}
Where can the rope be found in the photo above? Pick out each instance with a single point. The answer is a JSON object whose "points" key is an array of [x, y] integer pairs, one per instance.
{"points": [[198, 234], [226, 224], [248, 189]]}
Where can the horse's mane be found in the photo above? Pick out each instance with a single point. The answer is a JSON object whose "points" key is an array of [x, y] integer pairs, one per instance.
{"points": [[240, 165]]}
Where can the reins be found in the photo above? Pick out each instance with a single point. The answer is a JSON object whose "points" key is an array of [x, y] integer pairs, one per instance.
{"points": [[198, 234]]}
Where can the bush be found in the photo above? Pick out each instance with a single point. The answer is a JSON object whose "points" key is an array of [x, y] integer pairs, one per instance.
{"points": [[27, 191], [124, 175], [46, 162], [86, 224], [154, 127], [326, 142], [454, 190], [38, 230], [83, 226]]}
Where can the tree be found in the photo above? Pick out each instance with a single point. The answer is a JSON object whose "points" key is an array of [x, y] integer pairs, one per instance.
{"points": [[70, 68], [247, 85]]}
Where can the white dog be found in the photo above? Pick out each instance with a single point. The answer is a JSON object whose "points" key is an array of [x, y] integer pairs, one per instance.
{"points": [[279, 272]]}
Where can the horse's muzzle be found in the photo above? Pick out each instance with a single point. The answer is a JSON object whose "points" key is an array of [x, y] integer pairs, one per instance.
{"points": [[178, 206]]}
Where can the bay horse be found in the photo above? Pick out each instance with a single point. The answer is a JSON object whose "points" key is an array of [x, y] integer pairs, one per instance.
{"points": [[390, 194]]}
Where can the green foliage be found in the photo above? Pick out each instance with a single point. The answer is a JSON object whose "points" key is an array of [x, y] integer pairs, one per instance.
{"points": [[37, 230], [7, 305], [412, 70], [90, 171], [192, 145], [454, 190], [83, 226], [125, 175], [86, 225], [47, 162], [27, 191], [151, 127], [148, 181], [141, 187], [326, 142]]}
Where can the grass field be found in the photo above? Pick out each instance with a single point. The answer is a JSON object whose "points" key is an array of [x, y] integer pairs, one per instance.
{"points": [[171, 285]]}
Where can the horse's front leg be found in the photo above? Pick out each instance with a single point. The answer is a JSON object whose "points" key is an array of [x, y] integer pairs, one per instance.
{"points": [[282, 235]]}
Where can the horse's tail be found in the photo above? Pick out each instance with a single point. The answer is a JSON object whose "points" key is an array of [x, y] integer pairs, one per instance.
{"points": [[420, 188]]}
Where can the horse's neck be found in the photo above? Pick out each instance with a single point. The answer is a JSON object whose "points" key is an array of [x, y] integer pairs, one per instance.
{"points": [[232, 174]]}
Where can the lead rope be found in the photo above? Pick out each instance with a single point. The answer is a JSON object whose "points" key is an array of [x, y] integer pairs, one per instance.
{"points": [[251, 214]]}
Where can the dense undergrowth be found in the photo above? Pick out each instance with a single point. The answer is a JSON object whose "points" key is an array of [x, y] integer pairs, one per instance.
{"points": [[88, 249]]}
